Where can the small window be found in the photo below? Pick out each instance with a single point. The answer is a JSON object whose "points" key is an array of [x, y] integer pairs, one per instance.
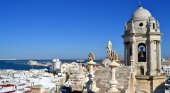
{"points": [[141, 24], [141, 52], [153, 25], [130, 51], [141, 70]]}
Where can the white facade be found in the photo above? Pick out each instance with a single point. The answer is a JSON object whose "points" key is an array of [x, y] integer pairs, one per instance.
{"points": [[22, 80], [56, 64], [70, 67], [142, 43]]}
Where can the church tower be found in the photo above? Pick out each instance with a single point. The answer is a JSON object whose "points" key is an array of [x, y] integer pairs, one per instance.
{"points": [[142, 40], [142, 51]]}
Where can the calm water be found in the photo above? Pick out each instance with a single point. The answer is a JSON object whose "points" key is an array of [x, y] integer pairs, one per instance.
{"points": [[22, 64]]}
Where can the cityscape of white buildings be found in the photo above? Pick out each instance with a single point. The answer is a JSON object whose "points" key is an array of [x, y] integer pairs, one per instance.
{"points": [[144, 71], [22, 81], [40, 80]]}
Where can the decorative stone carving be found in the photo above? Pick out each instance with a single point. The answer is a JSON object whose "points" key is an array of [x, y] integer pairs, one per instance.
{"points": [[109, 48], [114, 56], [91, 84], [113, 82], [91, 56]]}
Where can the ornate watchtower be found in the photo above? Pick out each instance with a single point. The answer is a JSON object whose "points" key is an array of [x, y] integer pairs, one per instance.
{"points": [[142, 39], [142, 50]]}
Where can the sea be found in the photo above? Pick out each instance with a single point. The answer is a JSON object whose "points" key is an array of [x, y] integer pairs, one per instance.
{"points": [[23, 64]]}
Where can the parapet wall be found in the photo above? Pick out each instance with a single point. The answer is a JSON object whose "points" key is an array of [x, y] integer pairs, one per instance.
{"points": [[103, 75]]}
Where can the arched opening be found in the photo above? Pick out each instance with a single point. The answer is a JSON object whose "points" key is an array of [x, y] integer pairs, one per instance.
{"points": [[141, 52], [141, 70], [153, 25], [140, 24], [130, 51]]}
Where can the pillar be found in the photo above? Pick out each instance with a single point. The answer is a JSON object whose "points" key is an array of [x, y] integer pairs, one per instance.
{"points": [[125, 53], [113, 82], [158, 56], [92, 82]]}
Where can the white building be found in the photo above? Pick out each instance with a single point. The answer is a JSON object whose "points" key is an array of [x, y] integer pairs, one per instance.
{"points": [[56, 64], [21, 81], [70, 67]]}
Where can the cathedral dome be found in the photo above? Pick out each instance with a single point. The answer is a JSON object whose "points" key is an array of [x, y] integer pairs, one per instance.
{"points": [[141, 14]]}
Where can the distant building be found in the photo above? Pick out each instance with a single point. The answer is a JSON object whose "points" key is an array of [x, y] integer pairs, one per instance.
{"points": [[31, 62], [56, 65], [22, 81], [70, 67]]}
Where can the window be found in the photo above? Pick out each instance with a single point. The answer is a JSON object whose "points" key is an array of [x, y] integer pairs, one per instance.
{"points": [[141, 24], [141, 70], [153, 25], [141, 52]]}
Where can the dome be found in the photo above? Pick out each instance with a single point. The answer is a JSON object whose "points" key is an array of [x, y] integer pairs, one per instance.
{"points": [[141, 14]]}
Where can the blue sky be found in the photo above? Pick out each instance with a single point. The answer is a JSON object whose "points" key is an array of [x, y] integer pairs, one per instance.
{"points": [[44, 29]]}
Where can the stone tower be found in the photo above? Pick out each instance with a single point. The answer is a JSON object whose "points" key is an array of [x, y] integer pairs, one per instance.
{"points": [[142, 40], [142, 50]]}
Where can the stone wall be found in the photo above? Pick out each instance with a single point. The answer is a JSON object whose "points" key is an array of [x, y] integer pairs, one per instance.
{"points": [[103, 75], [150, 84]]}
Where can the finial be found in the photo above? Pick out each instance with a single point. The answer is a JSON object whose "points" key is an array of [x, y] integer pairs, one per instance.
{"points": [[140, 3], [111, 57], [91, 56]]}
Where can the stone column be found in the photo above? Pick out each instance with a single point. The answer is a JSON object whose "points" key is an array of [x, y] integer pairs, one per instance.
{"points": [[158, 56], [151, 58], [132, 80], [91, 63], [125, 54], [91, 75], [133, 52], [113, 82], [133, 40]]}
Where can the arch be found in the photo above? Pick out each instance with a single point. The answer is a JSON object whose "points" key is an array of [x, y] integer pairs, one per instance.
{"points": [[141, 52], [130, 51], [142, 70], [153, 25]]}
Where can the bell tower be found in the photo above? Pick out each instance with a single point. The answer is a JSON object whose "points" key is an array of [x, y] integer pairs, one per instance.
{"points": [[142, 43], [142, 51]]}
